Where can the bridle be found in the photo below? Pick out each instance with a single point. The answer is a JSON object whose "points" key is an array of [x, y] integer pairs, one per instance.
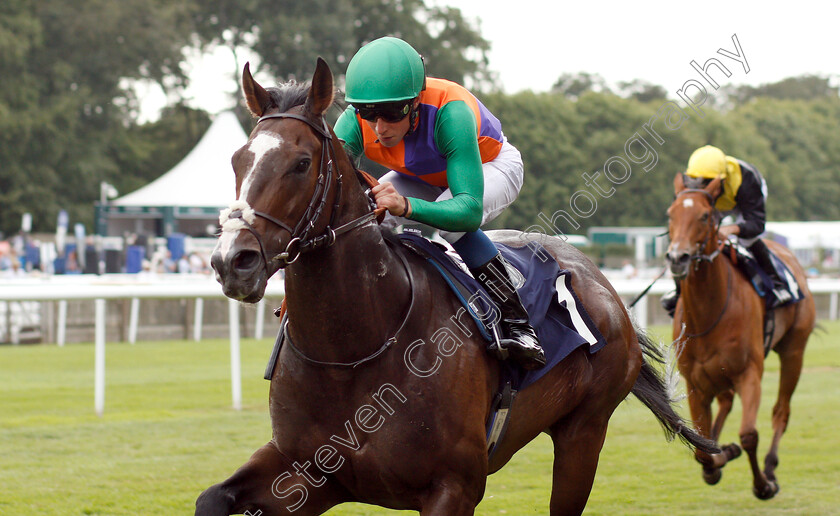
{"points": [[700, 256], [300, 242]]}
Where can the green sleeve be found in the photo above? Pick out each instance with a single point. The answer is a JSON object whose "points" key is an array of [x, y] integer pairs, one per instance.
{"points": [[347, 129], [456, 138]]}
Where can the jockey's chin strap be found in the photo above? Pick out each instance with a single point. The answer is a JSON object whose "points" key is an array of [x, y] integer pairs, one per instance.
{"points": [[699, 256], [300, 241]]}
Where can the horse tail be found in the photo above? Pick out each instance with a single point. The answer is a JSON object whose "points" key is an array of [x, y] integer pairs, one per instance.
{"points": [[819, 328], [651, 390]]}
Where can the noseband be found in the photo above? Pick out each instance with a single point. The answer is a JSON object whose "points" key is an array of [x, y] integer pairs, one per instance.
{"points": [[300, 241]]}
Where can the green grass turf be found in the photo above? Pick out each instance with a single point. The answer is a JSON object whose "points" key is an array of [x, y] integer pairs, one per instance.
{"points": [[168, 432]]}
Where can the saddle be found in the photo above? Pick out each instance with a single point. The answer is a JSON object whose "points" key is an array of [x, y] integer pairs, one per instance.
{"points": [[559, 318], [745, 262]]}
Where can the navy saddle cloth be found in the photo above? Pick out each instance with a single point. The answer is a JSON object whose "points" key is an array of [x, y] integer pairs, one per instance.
{"points": [[559, 318], [763, 283]]}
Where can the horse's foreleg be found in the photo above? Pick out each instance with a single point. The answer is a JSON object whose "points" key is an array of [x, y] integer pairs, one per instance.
{"points": [[791, 368], [749, 388], [450, 498], [268, 484], [700, 406], [724, 408], [576, 453]]}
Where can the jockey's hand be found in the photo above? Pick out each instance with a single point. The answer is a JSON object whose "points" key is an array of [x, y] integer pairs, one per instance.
{"points": [[386, 196], [726, 231]]}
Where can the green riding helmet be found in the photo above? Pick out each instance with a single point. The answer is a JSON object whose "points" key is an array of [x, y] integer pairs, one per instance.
{"points": [[385, 70]]}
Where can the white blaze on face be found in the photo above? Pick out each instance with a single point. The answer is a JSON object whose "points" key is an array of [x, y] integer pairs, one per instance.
{"points": [[260, 147], [688, 203]]}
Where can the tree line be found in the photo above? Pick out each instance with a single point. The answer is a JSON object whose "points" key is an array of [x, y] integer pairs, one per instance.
{"points": [[787, 129], [69, 109]]}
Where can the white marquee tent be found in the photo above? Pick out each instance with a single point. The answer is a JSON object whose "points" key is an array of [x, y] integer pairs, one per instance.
{"points": [[187, 199]]}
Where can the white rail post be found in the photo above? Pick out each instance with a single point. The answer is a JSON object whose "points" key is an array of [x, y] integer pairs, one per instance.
{"points": [[61, 324], [259, 324], [832, 308], [640, 310], [198, 319], [14, 322], [133, 319], [235, 370], [99, 367]]}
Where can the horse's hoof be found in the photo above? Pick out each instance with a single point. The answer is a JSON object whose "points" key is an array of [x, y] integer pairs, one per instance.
{"points": [[712, 476], [769, 491], [732, 451]]}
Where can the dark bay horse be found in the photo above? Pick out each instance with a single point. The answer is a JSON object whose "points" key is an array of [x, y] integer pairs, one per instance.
{"points": [[719, 324], [378, 395]]}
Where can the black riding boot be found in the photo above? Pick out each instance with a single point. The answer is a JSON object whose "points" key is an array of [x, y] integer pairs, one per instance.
{"points": [[519, 337], [762, 256], [669, 299]]}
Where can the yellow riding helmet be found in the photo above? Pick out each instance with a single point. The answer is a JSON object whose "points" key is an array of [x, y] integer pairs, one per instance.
{"points": [[707, 162]]}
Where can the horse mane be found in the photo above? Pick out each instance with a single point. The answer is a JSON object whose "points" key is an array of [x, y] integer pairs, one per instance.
{"points": [[288, 95]]}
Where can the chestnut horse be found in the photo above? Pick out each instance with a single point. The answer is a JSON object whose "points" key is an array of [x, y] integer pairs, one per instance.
{"points": [[363, 407], [719, 326]]}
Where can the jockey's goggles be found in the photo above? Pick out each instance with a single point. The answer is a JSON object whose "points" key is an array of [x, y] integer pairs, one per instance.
{"points": [[390, 112]]}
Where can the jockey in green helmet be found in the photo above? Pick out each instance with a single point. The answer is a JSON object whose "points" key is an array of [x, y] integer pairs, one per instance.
{"points": [[451, 167]]}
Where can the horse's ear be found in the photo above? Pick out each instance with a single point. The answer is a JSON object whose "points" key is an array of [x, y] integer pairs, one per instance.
{"points": [[321, 93], [714, 188], [256, 97], [679, 183]]}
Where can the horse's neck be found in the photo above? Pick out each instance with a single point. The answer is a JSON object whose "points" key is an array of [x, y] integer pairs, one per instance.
{"points": [[344, 301], [705, 289]]}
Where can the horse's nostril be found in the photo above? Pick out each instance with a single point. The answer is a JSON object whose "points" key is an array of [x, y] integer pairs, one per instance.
{"points": [[216, 262], [246, 260], [677, 258]]}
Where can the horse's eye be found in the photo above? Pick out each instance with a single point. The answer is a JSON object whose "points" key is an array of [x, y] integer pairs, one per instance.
{"points": [[303, 165], [704, 218]]}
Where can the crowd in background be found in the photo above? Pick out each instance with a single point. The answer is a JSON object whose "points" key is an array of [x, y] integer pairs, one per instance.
{"points": [[10, 262], [23, 255]]}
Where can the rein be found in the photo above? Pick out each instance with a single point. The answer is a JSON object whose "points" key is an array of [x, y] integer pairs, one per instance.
{"points": [[701, 257], [723, 310], [300, 242], [388, 343]]}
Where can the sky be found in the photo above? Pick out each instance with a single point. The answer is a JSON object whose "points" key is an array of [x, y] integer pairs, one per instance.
{"points": [[534, 42], [538, 41]]}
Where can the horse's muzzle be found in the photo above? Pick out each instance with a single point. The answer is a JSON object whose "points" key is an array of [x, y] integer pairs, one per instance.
{"points": [[241, 273], [678, 262]]}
